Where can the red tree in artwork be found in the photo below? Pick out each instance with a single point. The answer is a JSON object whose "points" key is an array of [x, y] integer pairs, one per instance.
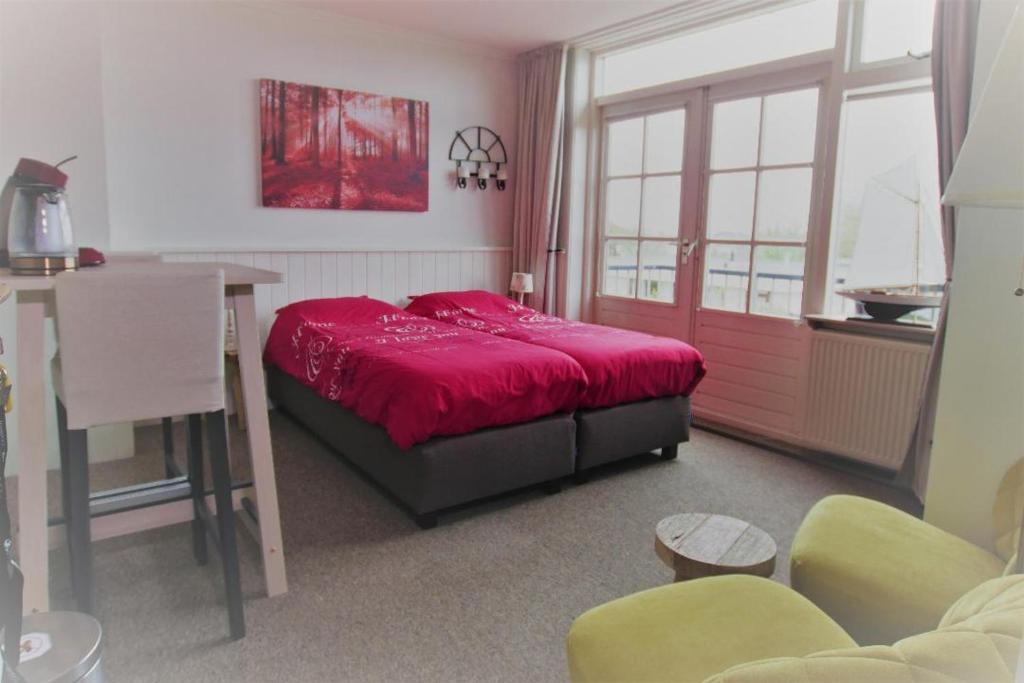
{"points": [[324, 148]]}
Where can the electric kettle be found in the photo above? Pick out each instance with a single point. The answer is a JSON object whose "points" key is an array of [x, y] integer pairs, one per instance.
{"points": [[35, 227]]}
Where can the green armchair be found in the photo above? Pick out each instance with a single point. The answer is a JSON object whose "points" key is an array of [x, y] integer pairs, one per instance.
{"points": [[885, 575], [744, 629], [923, 604]]}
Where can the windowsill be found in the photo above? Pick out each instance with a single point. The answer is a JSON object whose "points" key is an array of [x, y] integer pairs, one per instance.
{"points": [[868, 328]]}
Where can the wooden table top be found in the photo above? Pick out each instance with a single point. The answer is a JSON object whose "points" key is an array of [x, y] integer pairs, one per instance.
{"points": [[234, 274], [699, 544]]}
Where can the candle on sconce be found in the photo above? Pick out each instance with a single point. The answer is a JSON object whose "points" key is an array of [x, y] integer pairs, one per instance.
{"points": [[502, 174], [463, 171], [484, 173]]}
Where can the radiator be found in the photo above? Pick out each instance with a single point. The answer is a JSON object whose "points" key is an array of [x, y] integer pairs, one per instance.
{"points": [[862, 396]]}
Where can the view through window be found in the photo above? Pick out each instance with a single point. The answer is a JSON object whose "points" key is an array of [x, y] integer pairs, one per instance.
{"points": [[786, 32], [886, 228], [643, 185], [759, 200]]}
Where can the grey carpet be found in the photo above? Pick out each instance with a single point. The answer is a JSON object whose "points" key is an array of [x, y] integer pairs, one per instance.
{"points": [[487, 596]]}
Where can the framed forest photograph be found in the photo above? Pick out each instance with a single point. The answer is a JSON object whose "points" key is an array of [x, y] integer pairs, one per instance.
{"points": [[327, 148]]}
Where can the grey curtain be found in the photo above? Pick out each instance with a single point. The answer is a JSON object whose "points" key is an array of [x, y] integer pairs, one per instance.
{"points": [[953, 40], [539, 160]]}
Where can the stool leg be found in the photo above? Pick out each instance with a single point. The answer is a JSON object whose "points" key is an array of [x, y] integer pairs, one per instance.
{"points": [[168, 430], [197, 483], [220, 472], [236, 392], [79, 528], [65, 484], [669, 452]]}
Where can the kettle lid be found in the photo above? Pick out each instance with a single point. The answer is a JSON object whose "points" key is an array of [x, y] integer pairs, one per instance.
{"points": [[41, 172]]}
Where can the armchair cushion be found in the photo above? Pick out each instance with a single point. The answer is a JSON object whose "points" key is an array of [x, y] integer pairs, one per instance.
{"points": [[978, 640], [691, 630], [881, 573]]}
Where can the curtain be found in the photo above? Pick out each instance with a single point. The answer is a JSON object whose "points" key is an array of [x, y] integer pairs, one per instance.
{"points": [[953, 39], [539, 160]]}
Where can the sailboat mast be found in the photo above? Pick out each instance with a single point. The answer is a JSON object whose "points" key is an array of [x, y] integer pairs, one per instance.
{"points": [[917, 246]]}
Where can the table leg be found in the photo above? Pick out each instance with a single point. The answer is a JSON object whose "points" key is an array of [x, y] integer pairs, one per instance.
{"points": [[250, 366], [29, 404]]}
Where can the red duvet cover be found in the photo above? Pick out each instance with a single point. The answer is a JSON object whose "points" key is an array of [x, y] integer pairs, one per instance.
{"points": [[415, 377], [621, 365]]}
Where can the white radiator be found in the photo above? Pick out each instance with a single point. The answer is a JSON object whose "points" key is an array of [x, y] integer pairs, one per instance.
{"points": [[862, 396]]}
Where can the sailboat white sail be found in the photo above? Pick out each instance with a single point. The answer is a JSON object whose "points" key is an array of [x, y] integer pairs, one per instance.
{"points": [[898, 255]]}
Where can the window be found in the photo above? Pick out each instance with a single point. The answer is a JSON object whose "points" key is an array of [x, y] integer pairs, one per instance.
{"points": [[765, 37], [642, 194], [885, 222], [758, 202], [890, 30]]}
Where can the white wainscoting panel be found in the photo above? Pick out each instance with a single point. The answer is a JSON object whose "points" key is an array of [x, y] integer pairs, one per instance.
{"points": [[387, 275], [755, 368]]}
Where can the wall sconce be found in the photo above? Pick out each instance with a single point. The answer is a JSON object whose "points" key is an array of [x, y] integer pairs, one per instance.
{"points": [[475, 150]]}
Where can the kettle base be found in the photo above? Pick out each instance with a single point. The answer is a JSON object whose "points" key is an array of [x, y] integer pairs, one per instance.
{"points": [[42, 265]]}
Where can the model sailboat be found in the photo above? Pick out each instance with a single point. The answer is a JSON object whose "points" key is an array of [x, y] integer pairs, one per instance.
{"points": [[898, 264]]}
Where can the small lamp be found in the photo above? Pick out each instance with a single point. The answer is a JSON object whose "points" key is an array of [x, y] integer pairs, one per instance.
{"points": [[522, 283]]}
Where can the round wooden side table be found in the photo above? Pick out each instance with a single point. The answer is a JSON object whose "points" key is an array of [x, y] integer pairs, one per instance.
{"points": [[697, 545]]}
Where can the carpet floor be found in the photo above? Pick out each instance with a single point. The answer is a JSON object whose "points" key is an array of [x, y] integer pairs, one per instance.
{"points": [[488, 595]]}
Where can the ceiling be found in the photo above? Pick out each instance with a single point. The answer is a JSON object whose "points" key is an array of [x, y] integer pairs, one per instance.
{"points": [[508, 26]]}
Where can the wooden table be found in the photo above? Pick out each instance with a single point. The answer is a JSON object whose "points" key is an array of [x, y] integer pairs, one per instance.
{"points": [[697, 545], [34, 304]]}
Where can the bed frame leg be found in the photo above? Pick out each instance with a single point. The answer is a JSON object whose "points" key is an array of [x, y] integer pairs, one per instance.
{"points": [[426, 521], [551, 487], [669, 452], [581, 477]]}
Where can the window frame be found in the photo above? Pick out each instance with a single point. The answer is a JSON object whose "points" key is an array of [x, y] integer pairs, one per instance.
{"points": [[687, 101], [846, 79], [782, 82], [855, 44], [841, 75]]}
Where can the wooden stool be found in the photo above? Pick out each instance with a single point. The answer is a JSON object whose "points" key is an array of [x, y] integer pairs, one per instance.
{"points": [[697, 545]]}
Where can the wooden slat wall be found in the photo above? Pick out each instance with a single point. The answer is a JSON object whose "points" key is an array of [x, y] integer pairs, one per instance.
{"points": [[388, 275], [755, 369]]}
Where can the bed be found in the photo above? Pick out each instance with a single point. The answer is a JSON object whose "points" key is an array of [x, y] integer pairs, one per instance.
{"points": [[438, 416], [637, 399]]}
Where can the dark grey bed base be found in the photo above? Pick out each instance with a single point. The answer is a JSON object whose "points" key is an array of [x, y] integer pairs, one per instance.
{"points": [[444, 471], [630, 429]]}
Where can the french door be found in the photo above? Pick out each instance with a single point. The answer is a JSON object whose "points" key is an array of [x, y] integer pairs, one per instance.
{"points": [[650, 189], [723, 263], [760, 205]]}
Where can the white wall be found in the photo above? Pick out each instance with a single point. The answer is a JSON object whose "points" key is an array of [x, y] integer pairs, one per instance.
{"points": [[180, 119], [980, 423], [159, 100], [50, 101]]}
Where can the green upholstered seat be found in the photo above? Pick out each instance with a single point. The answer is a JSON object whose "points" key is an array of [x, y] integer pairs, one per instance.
{"points": [[881, 573], [978, 640], [689, 631]]}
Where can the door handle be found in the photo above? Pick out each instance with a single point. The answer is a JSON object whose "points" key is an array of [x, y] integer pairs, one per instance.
{"points": [[688, 248]]}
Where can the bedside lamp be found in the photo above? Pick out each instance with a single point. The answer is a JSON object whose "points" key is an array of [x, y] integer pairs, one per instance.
{"points": [[522, 283]]}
